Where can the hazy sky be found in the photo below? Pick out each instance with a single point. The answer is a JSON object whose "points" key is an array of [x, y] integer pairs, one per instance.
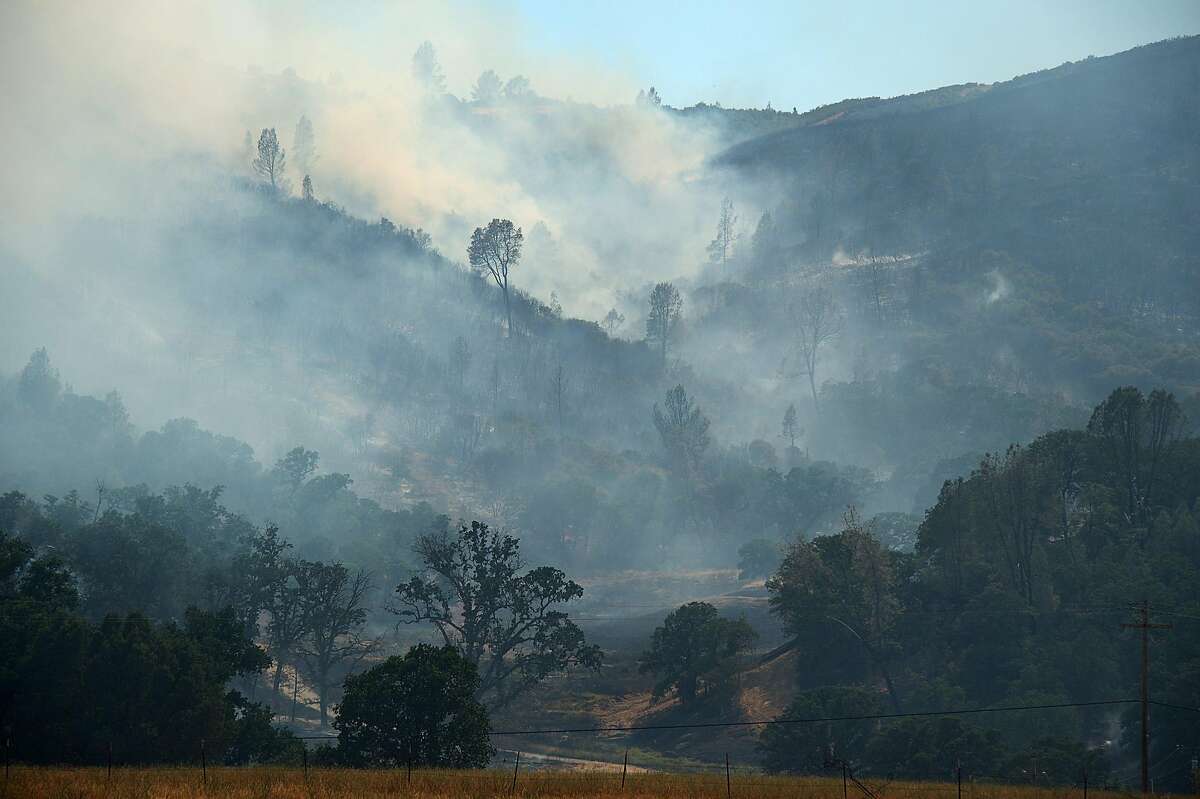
{"points": [[809, 52]]}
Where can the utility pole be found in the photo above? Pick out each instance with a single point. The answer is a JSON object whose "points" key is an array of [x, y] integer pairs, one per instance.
{"points": [[1143, 608]]}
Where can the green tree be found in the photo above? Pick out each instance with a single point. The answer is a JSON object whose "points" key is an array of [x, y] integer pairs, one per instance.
{"points": [[487, 87], [683, 428], [694, 650], [758, 558], [805, 748], [663, 318], [419, 710], [930, 748], [39, 384], [842, 582], [1137, 435], [505, 622], [495, 251], [333, 616], [271, 159], [295, 467]]}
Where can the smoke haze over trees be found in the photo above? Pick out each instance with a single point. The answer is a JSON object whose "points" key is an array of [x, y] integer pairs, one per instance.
{"points": [[340, 359]]}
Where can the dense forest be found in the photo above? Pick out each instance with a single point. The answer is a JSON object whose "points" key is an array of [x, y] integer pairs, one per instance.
{"points": [[920, 433]]}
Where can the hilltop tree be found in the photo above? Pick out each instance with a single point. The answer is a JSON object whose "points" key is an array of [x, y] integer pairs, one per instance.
{"points": [[721, 247], [816, 322], [649, 99], [306, 189], [39, 384], [518, 88], [427, 70], [296, 467], [496, 250], [1136, 434], [333, 614], [612, 322], [683, 429], [503, 620], [418, 710], [694, 649], [665, 305], [271, 160], [487, 88]]}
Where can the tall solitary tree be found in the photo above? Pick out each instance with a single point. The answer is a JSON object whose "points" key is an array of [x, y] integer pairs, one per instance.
{"points": [[502, 619], [496, 250], [665, 305], [271, 158]]}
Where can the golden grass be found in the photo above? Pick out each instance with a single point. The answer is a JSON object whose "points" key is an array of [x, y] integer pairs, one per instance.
{"points": [[281, 783]]}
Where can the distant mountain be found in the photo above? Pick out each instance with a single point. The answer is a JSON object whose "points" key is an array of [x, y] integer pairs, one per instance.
{"points": [[1074, 192]]}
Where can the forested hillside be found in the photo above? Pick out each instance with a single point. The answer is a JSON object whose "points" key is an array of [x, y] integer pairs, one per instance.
{"points": [[640, 413]]}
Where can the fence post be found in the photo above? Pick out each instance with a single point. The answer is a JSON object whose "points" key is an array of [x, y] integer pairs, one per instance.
{"points": [[516, 765], [624, 768], [7, 755], [110, 761], [1085, 781], [203, 763], [958, 771], [845, 787], [305, 756]]}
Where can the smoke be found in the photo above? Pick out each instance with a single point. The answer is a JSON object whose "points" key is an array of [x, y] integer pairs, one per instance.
{"points": [[124, 121], [999, 289]]}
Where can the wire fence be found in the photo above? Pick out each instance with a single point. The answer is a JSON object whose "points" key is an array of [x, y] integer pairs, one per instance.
{"points": [[547, 769]]}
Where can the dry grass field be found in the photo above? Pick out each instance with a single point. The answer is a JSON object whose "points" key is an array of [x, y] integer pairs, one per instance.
{"points": [[279, 783]]}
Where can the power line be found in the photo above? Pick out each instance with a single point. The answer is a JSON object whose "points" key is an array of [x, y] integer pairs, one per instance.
{"points": [[815, 720], [1174, 707]]}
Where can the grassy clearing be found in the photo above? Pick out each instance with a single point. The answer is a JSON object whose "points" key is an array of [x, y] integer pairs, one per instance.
{"points": [[280, 783]]}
